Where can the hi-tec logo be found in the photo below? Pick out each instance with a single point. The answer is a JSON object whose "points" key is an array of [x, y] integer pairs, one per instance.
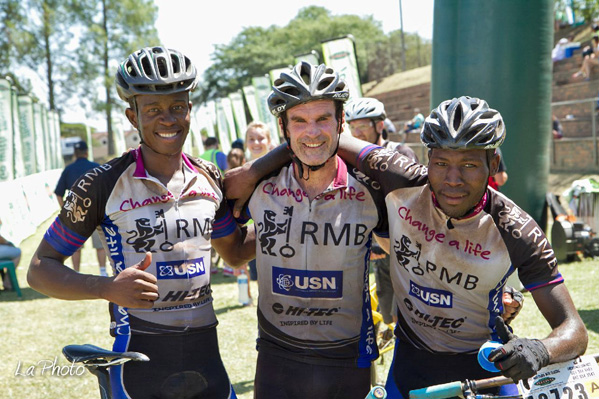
{"points": [[180, 269], [431, 296], [341, 95], [307, 283], [299, 311]]}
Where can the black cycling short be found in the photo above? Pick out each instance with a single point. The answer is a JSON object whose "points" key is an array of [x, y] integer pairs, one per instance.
{"points": [[284, 378], [414, 368], [181, 366]]}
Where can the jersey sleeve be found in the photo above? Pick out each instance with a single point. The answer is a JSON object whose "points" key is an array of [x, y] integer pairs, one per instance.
{"points": [[390, 169], [224, 223], [530, 251]]}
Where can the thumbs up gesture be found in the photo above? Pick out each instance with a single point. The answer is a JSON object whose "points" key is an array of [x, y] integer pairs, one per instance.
{"points": [[133, 287]]}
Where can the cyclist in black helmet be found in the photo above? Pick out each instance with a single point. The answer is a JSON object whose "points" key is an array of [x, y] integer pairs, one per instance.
{"points": [[454, 243], [158, 212]]}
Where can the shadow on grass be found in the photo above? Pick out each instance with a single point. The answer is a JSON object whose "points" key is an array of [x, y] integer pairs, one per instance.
{"points": [[243, 387], [590, 317], [226, 309], [29, 294]]}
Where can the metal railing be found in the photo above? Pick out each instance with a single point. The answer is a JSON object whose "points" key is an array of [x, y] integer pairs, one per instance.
{"points": [[592, 104]]}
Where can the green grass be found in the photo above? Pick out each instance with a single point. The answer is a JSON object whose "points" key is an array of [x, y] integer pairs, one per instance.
{"points": [[35, 328]]}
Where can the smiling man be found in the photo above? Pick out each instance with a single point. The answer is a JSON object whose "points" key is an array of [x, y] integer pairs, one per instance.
{"points": [[158, 212], [315, 220]]}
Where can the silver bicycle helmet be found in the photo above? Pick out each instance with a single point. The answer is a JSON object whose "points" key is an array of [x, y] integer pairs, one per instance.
{"points": [[464, 123], [304, 83], [155, 70], [363, 108]]}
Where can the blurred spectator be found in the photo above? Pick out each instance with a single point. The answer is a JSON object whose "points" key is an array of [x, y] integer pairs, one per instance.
{"points": [[589, 59], [257, 139], [499, 178], [213, 154], [237, 144], [68, 177], [414, 125], [558, 133], [559, 51], [8, 251]]}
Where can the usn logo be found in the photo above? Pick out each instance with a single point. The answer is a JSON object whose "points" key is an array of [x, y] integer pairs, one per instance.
{"points": [[180, 269], [307, 283], [431, 296]]}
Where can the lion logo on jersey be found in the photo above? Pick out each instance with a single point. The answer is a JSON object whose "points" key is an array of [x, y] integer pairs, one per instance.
{"points": [[268, 229], [403, 253], [141, 239]]}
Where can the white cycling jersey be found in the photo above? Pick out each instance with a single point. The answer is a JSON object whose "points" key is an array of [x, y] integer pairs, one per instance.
{"points": [[135, 213], [312, 260]]}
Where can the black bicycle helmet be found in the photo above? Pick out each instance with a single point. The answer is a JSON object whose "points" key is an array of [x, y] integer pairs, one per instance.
{"points": [[155, 70], [464, 123], [304, 83], [364, 108]]}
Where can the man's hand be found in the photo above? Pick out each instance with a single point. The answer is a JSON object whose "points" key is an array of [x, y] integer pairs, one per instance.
{"points": [[239, 185], [133, 287], [512, 304], [518, 358]]}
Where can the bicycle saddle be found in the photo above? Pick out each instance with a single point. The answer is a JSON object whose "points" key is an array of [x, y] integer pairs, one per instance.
{"points": [[87, 353]]}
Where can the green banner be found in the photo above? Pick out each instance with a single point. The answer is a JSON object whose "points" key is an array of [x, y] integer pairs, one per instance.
{"points": [[6, 141], [340, 54], [19, 166], [263, 87], [238, 113], [27, 126], [224, 124], [40, 140]]}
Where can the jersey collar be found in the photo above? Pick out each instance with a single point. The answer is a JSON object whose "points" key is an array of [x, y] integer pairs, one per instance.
{"points": [[473, 212], [140, 169]]}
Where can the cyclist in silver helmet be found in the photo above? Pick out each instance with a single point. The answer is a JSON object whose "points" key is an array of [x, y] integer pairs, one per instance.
{"points": [[454, 242], [315, 219], [159, 212]]}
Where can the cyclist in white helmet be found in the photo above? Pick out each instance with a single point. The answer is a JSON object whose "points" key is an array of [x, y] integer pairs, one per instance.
{"points": [[158, 212], [454, 243]]}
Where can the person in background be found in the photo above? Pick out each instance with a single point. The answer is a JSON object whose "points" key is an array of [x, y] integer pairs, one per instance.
{"points": [[557, 130], [589, 59], [413, 126], [69, 176], [499, 178], [257, 139], [8, 251], [213, 154]]}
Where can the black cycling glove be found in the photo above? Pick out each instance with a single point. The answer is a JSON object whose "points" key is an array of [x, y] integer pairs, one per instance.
{"points": [[518, 358]]}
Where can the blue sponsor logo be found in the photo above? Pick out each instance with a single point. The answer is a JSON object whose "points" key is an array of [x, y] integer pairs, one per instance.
{"points": [[307, 283], [431, 296], [180, 269]]}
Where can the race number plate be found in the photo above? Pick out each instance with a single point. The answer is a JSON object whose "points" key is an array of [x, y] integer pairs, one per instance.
{"points": [[575, 379]]}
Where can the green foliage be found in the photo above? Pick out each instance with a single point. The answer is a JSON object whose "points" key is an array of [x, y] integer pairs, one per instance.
{"points": [[255, 51], [587, 9], [73, 130]]}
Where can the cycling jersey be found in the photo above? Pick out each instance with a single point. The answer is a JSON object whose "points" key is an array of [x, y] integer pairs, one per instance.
{"points": [[136, 213], [448, 274], [312, 259], [401, 148]]}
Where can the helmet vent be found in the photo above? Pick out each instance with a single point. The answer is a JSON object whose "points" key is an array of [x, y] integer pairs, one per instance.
{"points": [[323, 84], [175, 64], [130, 70], [162, 67], [457, 118], [146, 66]]}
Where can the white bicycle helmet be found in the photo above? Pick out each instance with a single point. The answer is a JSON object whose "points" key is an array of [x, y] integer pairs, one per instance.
{"points": [[364, 108], [463, 123], [155, 70]]}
